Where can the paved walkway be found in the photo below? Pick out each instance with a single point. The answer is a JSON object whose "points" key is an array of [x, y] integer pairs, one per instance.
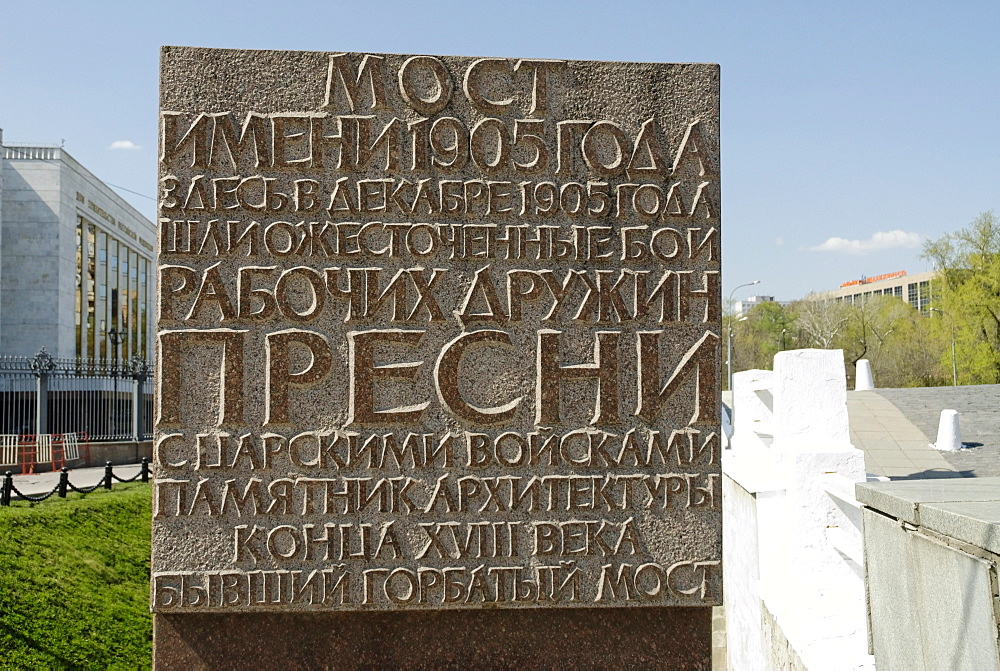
{"points": [[895, 428], [893, 445], [978, 409], [40, 483]]}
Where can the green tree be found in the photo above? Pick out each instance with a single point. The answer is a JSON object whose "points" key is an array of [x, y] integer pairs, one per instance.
{"points": [[895, 338], [761, 334], [901, 345], [968, 290], [914, 358]]}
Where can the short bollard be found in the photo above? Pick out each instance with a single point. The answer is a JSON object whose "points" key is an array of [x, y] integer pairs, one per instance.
{"points": [[145, 469], [63, 482], [949, 435], [863, 380], [107, 475], [5, 493]]}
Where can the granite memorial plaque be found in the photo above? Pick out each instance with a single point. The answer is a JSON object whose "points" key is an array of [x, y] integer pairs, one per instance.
{"points": [[436, 333]]}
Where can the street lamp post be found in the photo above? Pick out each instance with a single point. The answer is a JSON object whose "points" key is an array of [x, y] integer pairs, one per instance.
{"points": [[42, 366], [954, 363], [729, 336], [139, 371]]}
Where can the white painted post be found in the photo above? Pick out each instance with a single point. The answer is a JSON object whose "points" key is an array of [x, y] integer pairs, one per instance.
{"points": [[810, 400], [949, 437], [727, 425], [751, 420], [863, 380]]}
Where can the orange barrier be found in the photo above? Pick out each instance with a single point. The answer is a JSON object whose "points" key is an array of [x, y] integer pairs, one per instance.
{"points": [[28, 450], [56, 449]]}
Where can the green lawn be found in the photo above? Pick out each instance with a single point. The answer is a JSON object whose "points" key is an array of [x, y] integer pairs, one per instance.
{"points": [[74, 581]]}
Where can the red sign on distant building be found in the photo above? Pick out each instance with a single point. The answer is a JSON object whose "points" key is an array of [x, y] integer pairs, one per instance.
{"points": [[876, 278]]}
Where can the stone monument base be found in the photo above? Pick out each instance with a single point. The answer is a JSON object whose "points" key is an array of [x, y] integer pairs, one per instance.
{"points": [[675, 638]]}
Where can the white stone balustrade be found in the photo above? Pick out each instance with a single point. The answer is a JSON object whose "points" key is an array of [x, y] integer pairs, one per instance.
{"points": [[792, 538]]}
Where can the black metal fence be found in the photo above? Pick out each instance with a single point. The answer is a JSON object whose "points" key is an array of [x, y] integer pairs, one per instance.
{"points": [[9, 492], [104, 401]]}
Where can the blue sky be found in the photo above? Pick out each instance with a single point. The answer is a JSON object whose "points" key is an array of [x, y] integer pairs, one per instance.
{"points": [[851, 131]]}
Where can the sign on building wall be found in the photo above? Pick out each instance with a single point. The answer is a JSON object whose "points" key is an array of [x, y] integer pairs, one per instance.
{"points": [[436, 332]]}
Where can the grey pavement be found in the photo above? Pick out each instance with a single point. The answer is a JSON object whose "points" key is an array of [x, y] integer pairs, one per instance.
{"points": [[894, 446], [41, 483], [895, 428], [978, 409]]}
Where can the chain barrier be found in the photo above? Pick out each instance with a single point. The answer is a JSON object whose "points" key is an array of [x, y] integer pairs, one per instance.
{"points": [[36, 498], [8, 491], [126, 480], [85, 490]]}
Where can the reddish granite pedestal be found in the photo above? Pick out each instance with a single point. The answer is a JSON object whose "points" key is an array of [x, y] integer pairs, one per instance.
{"points": [[674, 638]]}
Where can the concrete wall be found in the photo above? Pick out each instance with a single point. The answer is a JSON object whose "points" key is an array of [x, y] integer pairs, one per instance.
{"points": [[741, 572], [98, 454], [931, 553], [781, 653], [119, 453]]}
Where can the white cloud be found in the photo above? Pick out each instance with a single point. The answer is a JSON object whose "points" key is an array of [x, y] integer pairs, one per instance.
{"points": [[779, 241], [127, 145], [881, 240]]}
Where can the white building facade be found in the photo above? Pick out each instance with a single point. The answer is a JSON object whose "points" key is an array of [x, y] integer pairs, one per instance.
{"points": [[76, 261], [744, 306]]}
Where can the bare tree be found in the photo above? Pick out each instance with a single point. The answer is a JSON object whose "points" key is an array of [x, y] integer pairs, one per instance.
{"points": [[822, 321]]}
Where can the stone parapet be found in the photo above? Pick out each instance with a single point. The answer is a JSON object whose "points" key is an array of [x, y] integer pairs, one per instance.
{"points": [[931, 553]]}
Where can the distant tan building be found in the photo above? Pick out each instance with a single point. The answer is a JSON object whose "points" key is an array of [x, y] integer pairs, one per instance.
{"points": [[915, 289]]}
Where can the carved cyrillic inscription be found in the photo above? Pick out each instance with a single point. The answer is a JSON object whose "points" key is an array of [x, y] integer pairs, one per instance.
{"points": [[437, 332]]}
